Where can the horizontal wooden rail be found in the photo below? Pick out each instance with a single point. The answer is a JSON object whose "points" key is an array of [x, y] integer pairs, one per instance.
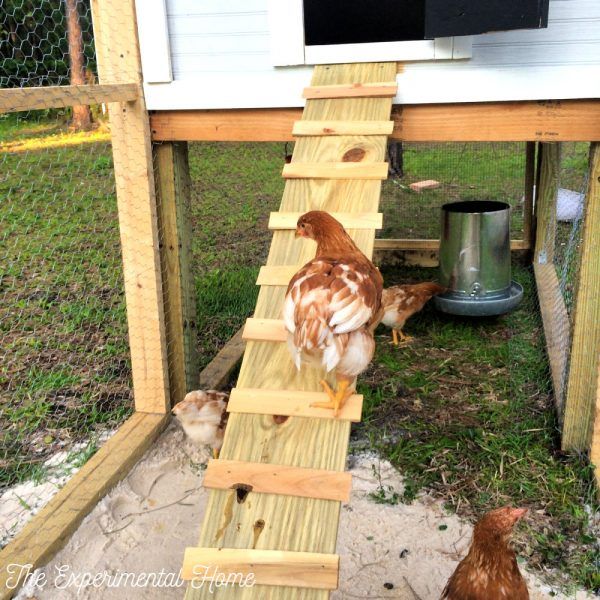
{"points": [[291, 404], [285, 480], [420, 244], [288, 220], [36, 98], [380, 89], [50, 529], [315, 128], [277, 275], [264, 330], [544, 121], [341, 170], [268, 567]]}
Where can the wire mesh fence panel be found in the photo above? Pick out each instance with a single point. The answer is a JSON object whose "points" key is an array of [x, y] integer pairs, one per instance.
{"points": [[458, 171], [65, 374]]}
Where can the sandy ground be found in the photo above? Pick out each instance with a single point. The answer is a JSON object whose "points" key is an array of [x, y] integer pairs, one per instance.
{"points": [[146, 521]]}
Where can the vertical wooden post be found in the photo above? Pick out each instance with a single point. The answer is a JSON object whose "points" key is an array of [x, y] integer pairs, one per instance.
{"points": [[529, 193], [545, 206], [118, 58], [595, 444], [173, 189], [585, 350]]}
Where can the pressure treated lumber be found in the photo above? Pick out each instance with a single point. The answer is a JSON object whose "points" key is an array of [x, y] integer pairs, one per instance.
{"points": [[264, 330], [595, 444], [173, 190], [545, 212], [59, 96], [269, 567], [297, 524], [341, 170], [49, 530], [291, 404], [279, 275], [585, 350], [381, 89], [303, 128], [278, 479], [543, 121], [421, 244], [283, 220], [216, 373], [119, 62], [528, 221], [557, 327]]}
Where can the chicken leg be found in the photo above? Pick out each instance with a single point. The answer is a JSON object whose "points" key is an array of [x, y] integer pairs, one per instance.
{"points": [[215, 453], [337, 398], [405, 339]]}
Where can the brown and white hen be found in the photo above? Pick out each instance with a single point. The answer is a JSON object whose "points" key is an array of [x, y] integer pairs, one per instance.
{"points": [[402, 301], [490, 570], [332, 306], [203, 416]]}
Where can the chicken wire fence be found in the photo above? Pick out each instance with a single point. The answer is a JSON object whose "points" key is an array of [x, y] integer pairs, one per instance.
{"points": [[65, 375]]}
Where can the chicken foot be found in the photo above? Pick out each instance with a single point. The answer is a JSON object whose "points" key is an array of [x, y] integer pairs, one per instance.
{"points": [[337, 399], [405, 339]]}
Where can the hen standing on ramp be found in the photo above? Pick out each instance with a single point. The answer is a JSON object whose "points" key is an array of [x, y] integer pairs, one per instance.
{"points": [[332, 306]]}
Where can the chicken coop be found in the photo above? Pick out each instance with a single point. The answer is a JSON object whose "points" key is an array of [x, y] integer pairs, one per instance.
{"points": [[518, 82]]}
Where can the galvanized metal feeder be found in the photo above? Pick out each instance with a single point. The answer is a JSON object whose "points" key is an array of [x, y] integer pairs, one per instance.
{"points": [[475, 260]]}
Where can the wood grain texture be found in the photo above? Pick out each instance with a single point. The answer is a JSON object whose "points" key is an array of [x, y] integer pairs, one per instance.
{"points": [[303, 128], [291, 404], [264, 330], [543, 121], [545, 211], [557, 328], [595, 443], [341, 170], [269, 567], [175, 231], [580, 402], [49, 530], [297, 524], [118, 62], [37, 98], [279, 275], [288, 220], [278, 479], [528, 221], [381, 89]]}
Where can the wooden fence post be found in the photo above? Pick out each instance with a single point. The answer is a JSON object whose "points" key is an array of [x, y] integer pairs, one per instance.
{"points": [[545, 206], [118, 58], [528, 232], [583, 374], [173, 189]]}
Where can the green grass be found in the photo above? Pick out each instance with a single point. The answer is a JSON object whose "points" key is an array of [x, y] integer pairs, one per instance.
{"points": [[465, 412]]}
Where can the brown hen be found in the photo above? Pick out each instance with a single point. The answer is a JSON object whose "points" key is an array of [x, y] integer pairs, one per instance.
{"points": [[332, 305], [489, 571], [402, 301]]}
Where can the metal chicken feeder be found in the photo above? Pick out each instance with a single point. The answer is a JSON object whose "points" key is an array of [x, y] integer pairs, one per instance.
{"points": [[475, 260]]}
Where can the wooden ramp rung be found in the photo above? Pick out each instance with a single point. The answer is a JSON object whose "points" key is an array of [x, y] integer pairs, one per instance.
{"points": [[264, 330], [335, 170], [379, 89], [285, 480], [277, 275], [318, 128], [288, 220], [291, 404], [269, 567]]}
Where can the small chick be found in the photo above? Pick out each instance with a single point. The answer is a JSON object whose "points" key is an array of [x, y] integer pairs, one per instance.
{"points": [[402, 301], [203, 416], [490, 570]]}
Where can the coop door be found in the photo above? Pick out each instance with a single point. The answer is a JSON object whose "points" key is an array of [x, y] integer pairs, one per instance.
{"points": [[331, 31]]}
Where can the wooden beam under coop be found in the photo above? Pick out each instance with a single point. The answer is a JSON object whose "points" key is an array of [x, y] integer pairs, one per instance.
{"points": [[556, 120]]}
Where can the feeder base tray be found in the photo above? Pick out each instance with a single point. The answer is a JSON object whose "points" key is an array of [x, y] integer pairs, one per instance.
{"points": [[483, 306]]}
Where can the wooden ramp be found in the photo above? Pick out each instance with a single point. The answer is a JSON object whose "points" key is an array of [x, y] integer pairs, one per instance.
{"points": [[285, 528]]}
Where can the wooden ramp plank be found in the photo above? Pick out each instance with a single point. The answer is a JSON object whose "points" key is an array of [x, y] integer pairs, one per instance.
{"points": [[264, 330], [269, 567], [340, 170], [377, 89], [302, 128], [279, 275], [283, 220], [291, 404], [278, 479], [297, 524]]}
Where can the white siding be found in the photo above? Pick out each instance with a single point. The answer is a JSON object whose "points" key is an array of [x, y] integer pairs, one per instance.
{"points": [[220, 55]]}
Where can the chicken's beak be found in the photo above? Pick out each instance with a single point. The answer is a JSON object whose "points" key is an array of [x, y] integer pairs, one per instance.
{"points": [[518, 513], [299, 232]]}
